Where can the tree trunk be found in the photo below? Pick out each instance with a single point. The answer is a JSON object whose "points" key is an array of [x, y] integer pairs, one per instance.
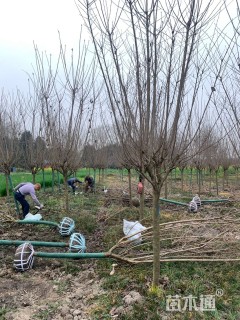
{"points": [[66, 192], [43, 177], [130, 186], [53, 179], [7, 186], [99, 175], [216, 174], [142, 197], [16, 203], [191, 178], [199, 181], [33, 177], [210, 180], [171, 182], [225, 178], [182, 170], [94, 177], [237, 182], [142, 206], [156, 238], [166, 189], [59, 184], [103, 175]]}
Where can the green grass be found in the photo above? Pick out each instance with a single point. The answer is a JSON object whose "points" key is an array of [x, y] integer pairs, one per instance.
{"points": [[184, 279], [48, 179], [3, 311], [48, 312]]}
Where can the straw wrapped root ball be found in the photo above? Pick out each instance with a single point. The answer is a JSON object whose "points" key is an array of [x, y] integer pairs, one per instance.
{"points": [[66, 226], [77, 243], [24, 258]]}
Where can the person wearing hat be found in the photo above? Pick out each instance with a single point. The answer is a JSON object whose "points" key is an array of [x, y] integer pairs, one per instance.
{"points": [[24, 189]]}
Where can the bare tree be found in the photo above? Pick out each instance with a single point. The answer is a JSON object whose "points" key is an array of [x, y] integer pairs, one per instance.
{"points": [[158, 61], [9, 135], [32, 144], [67, 93]]}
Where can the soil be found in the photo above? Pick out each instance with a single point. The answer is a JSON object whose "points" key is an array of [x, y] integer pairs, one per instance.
{"points": [[48, 290]]}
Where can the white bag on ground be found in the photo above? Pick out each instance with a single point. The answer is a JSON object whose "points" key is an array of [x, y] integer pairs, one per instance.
{"points": [[35, 217], [133, 228]]}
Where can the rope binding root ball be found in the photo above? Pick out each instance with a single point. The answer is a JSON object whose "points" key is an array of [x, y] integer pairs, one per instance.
{"points": [[24, 257], [197, 200], [66, 226], [77, 243], [192, 207]]}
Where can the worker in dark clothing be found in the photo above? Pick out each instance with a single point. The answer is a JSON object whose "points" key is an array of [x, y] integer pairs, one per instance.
{"points": [[89, 184], [72, 183]]}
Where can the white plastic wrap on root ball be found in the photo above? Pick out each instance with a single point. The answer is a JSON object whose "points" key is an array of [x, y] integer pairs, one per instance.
{"points": [[192, 207], [197, 200], [35, 217], [133, 229]]}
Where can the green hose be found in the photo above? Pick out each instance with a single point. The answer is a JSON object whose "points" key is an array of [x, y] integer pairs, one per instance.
{"points": [[70, 255], [174, 202], [186, 204], [218, 200], [34, 243], [49, 223]]}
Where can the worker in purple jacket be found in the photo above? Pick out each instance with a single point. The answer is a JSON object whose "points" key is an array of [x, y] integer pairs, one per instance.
{"points": [[25, 189]]}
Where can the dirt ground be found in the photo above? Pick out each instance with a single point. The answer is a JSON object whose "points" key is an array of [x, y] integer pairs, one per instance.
{"points": [[49, 291]]}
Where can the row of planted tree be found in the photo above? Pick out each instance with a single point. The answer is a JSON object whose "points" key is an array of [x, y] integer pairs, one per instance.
{"points": [[166, 90]]}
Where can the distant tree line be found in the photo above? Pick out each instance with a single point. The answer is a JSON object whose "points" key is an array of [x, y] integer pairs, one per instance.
{"points": [[34, 154]]}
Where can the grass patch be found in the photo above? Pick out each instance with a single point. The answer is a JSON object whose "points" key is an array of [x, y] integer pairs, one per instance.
{"points": [[86, 222], [182, 278], [3, 311], [47, 313]]}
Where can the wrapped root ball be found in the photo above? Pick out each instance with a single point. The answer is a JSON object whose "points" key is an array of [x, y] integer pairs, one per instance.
{"points": [[192, 207], [77, 243], [24, 258], [66, 226], [135, 202], [197, 200]]}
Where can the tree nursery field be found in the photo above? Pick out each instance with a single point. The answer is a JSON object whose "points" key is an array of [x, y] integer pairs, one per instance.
{"points": [[199, 252]]}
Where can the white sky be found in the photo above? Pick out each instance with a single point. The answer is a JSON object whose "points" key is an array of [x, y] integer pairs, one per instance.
{"points": [[23, 22]]}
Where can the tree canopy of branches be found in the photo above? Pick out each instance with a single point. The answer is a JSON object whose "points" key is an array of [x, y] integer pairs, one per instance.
{"points": [[9, 134], [66, 94], [160, 61]]}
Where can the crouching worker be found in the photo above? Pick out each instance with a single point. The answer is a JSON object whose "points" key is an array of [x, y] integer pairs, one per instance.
{"points": [[72, 183], [25, 189], [89, 184]]}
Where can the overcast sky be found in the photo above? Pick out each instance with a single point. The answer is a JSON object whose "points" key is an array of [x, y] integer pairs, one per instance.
{"points": [[25, 21]]}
